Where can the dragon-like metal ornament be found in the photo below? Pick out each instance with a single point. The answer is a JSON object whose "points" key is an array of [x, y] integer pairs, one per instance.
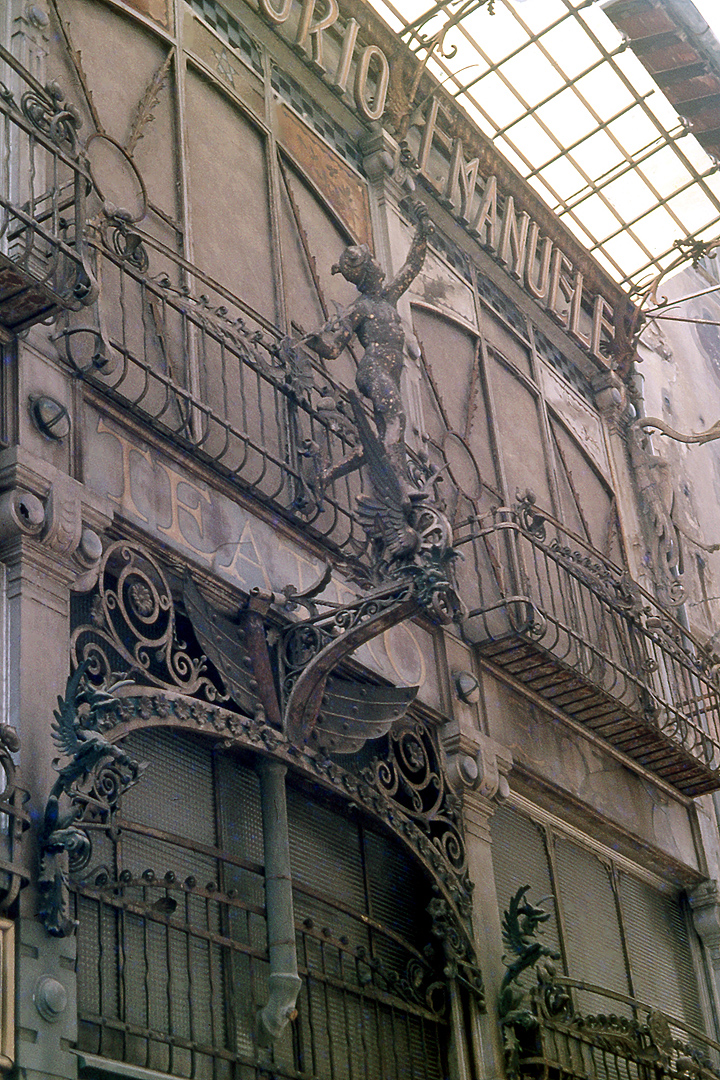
{"points": [[524, 953], [93, 779], [409, 540]]}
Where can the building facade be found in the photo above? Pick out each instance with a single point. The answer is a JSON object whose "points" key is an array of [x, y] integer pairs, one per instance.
{"points": [[356, 721]]}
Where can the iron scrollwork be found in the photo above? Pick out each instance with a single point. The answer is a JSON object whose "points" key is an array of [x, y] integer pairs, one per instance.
{"points": [[133, 627], [51, 114], [405, 790], [459, 955], [92, 781]]}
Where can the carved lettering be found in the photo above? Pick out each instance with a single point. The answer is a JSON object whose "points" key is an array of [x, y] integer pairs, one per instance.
{"points": [[513, 241], [426, 140], [462, 175], [576, 312], [603, 316], [371, 107], [486, 220], [273, 14], [537, 288], [560, 283], [309, 35], [348, 47]]}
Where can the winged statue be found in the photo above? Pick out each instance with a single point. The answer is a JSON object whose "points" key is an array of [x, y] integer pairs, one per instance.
{"points": [[77, 735], [63, 843]]}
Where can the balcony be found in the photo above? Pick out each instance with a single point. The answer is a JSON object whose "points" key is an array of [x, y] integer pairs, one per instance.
{"points": [[625, 1039], [577, 631], [43, 186]]}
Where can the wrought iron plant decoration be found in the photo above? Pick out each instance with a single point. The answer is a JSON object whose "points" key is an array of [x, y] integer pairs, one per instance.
{"points": [[544, 1032]]}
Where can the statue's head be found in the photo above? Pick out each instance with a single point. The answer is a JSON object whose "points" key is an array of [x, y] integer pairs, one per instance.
{"points": [[359, 267]]}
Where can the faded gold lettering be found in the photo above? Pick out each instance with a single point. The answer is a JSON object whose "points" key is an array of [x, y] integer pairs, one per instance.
{"points": [[242, 562], [127, 447], [174, 530]]}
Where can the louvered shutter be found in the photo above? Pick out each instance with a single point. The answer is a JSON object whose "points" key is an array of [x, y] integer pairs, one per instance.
{"points": [[590, 922], [519, 858], [659, 949]]}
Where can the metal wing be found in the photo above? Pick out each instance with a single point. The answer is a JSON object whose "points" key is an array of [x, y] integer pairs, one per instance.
{"points": [[64, 732], [353, 713], [219, 640], [385, 514]]}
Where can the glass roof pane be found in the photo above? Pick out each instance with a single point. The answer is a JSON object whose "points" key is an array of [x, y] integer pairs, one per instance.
{"points": [[603, 217], [568, 118], [694, 209], [633, 129], [604, 92], [598, 150], [533, 76], [537, 16], [639, 160], [657, 229], [571, 48], [665, 171], [537, 146], [497, 99], [630, 195], [497, 35]]}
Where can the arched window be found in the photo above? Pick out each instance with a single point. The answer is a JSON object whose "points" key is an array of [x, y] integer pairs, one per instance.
{"points": [[172, 948]]}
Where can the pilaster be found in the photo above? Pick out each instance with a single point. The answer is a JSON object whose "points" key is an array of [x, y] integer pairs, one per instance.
{"points": [[478, 769], [705, 905], [50, 543]]}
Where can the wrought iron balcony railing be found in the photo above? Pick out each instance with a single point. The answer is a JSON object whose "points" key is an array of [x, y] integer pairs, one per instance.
{"points": [[625, 1039], [581, 633], [44, 181]]}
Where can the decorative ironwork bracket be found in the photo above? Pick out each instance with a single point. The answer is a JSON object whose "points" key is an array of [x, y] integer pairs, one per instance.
{"points": [[93, 779]]}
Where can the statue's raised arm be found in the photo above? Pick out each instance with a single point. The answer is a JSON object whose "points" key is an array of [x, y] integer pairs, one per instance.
{"points": [[415, 256]]}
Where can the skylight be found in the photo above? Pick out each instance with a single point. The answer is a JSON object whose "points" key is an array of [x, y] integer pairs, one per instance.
{"points": [[563, 98]]}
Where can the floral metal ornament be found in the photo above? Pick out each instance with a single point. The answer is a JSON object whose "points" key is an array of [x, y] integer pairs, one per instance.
{"points": [[93, 779]]}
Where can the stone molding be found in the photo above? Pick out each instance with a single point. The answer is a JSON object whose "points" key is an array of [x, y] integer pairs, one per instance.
{"points": [[40, 503], [475, 762]]}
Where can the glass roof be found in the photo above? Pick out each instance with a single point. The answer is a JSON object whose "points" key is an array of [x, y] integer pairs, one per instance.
{"points": [[563, 98]]}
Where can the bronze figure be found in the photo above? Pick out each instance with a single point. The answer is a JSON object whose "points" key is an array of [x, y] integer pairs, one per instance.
{"points": [[373, 317]]}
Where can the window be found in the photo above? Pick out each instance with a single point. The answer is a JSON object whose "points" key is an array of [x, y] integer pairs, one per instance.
{"points": [[613, 929], [172, 950]]}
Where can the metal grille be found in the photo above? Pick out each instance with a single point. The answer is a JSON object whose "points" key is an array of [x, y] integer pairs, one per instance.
{"points": [[172, 945]]}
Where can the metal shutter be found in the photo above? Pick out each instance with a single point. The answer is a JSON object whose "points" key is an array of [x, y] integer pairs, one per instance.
{"points": [[590, 923], [519, 858], [660, 957]]}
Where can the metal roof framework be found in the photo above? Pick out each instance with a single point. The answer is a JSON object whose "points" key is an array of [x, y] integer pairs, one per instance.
{"points": [[553, 84]]}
